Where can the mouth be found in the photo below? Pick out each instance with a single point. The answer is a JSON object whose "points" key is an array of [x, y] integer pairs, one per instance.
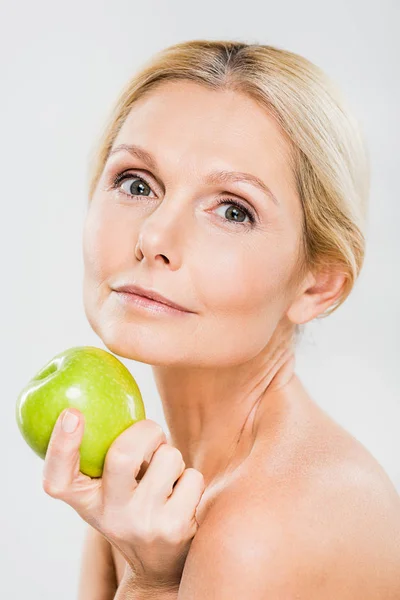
{"points": [[151, 296]]}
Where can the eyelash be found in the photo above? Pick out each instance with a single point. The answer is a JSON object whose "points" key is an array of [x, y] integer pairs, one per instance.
{"points": [[252, 219]]}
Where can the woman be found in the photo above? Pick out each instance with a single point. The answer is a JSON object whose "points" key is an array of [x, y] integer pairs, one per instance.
{"points": [[233, 180]]}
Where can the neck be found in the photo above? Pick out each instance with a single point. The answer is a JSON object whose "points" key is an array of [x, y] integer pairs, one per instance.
{"points": [[212, 414]]}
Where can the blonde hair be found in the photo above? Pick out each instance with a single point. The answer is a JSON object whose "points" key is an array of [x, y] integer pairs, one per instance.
{"points": [[329, 156]]}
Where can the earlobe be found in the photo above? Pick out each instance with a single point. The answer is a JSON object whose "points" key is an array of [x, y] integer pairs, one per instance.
{"points": [[320, 292]]}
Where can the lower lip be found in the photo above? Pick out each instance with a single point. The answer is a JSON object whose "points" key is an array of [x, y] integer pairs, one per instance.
{"points": [[149, 305]]}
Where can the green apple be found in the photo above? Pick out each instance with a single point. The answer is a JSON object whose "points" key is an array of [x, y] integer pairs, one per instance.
{"points": [[91, 380]]}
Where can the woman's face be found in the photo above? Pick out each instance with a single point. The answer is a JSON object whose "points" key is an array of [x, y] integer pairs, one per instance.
{"points": [[234, 270]]}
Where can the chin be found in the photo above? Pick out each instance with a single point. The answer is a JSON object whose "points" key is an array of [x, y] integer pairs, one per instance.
{"points": [[132, 342]]}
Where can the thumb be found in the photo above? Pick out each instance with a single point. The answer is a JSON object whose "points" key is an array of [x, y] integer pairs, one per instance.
{"points": [[61, 465]]}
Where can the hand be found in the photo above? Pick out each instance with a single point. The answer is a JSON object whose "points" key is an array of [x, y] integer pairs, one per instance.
{"points": [[151, 521]]}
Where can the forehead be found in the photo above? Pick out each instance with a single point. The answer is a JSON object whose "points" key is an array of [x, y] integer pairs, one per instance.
{"points": [[195, 118]]}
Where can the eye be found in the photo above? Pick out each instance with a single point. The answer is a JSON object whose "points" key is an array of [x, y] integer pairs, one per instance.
{"points": [[235, 212], [133, 189]]}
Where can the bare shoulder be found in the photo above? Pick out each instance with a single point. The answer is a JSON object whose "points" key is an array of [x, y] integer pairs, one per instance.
{"points": [[318, 465], [322, 516]]}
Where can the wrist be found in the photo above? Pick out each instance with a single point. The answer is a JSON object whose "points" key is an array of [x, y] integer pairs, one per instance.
{"points": [[132, 592], [151, 591], [135, 588]]}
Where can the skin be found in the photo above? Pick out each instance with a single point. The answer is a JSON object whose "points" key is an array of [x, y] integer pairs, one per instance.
{"points": [[225, 371], [239, 282]]}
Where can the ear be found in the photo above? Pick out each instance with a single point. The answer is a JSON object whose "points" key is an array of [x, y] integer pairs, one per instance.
{"points": [[318, 292]]}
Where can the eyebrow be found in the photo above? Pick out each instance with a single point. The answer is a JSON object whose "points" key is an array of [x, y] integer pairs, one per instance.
{"points": [[214, 177]]}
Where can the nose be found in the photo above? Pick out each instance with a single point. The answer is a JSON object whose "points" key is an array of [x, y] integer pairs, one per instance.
{"points": [[161, 235]]}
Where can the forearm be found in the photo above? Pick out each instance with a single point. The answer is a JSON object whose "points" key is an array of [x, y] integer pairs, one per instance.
{"points": [[129, 594], [131, 590]]}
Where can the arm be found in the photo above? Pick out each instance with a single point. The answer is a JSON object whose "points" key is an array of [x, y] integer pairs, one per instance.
{"points": [[97, 576], [129, 590]]}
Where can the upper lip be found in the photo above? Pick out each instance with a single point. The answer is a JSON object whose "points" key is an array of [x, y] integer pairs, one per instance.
{"points": [[152, 294]]}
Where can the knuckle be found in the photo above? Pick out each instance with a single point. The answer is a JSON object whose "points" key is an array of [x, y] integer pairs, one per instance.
{"points": [[151, 430], [195, 477], [151, 425], [178, 454], [172, 452], [118, 459], [195, 474], [157, 430], [51, 489]]}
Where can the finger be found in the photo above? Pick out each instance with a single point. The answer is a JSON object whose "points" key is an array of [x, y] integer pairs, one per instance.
{"points": [[164, 470], [61, 464], [187, 494], [125, 457]]}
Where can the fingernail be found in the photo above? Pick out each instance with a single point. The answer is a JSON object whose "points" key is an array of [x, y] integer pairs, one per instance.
{"points": [[69, 422]]}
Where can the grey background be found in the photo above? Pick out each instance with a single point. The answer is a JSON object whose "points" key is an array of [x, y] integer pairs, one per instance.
{"points": [[62, 65]]}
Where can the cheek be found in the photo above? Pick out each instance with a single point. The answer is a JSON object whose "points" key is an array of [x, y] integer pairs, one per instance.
{"points": [[246, 278], [243, 298], [105, 244], [107, 250]]}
